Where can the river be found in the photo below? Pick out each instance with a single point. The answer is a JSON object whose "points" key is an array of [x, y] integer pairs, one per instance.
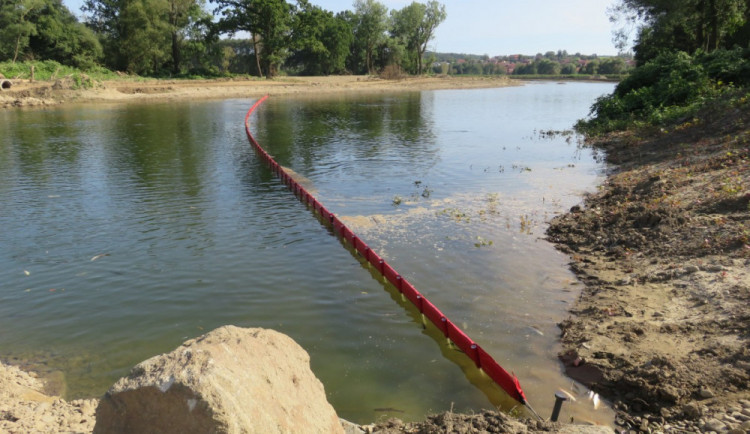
{"points": [[127, 229]]}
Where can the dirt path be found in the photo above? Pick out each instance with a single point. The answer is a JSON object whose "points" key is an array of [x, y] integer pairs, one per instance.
{"points": [[663, 325]]}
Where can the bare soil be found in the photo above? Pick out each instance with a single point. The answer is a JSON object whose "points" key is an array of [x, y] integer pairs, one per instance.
{"points": [[663, 248]]}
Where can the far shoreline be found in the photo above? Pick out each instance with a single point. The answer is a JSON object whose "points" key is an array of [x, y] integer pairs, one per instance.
{"points": [[40, 94]]}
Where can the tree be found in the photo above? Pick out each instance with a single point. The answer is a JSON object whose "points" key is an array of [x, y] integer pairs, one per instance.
{"points": [[369, 27], [415, 25], [612, 65], [269, 23], [688, 25], [568, 69], [45, 29], [145, 45], [15, 27], [179, 14], [320, 41], [547, 67], [591, 67], [144, 36], [274, 18]]}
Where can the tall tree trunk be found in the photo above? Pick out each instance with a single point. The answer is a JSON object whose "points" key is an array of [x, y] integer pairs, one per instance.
{"points": [[701, 30], [257, 55], [175, 53], [18, 44], [368, 60], [714, 20], [420, 53]]}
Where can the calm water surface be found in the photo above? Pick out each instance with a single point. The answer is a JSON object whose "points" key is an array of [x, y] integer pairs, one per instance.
{"points": [[127, 229]]}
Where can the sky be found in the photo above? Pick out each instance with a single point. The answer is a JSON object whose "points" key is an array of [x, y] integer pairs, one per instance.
{"points": [[503, 27]]}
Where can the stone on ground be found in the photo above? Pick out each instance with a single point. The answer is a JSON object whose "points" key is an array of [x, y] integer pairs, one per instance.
{"points": [[231, 380]]}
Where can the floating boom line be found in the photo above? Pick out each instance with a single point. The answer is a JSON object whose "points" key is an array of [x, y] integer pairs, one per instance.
{"points": [[483, 361]]}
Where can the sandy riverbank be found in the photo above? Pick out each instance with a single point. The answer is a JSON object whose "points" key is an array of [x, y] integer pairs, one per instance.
{"points": [[50, 93]]}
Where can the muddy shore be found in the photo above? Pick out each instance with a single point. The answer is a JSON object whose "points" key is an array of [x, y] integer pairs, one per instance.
{"points": [[663, 248], [662, 325]]}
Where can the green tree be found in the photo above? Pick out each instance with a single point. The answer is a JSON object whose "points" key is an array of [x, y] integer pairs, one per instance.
{"points": [[568, 69], [15, 26], [371, 22], [525, 69], [180, 13], [321, 41], [47, 30], [269, 23], [547, 67], [612, 65], [415, 25], [145, 47], [239, 15], [687, 25], [591, 67], [145, 36]]}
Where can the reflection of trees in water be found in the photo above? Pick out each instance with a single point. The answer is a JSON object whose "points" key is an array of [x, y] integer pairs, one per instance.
{"points": [[39, 144], [304, 133], [159, 143]]}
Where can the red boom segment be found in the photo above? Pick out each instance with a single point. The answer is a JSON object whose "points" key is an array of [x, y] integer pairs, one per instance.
{"points": [[484, 361]]}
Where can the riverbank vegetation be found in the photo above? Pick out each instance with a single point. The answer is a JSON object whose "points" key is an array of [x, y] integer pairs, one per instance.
{"points": [[689, 57]]}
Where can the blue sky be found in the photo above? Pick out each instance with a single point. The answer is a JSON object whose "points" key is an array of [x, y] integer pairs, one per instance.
{"points": [[500, 27]]}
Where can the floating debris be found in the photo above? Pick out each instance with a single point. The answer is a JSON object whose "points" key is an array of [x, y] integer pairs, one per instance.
{"points": [[99, 256]]}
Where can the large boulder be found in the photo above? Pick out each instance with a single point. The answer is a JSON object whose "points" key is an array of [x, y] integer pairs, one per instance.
{"points": [[231, 380]]}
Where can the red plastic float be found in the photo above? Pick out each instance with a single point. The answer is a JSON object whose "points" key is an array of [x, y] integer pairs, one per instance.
{"points": [[479, 356]]}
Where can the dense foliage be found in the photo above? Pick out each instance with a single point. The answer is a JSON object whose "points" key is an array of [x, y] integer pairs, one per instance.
{"points": [[45, 30], [183, 38], [688, 54]]}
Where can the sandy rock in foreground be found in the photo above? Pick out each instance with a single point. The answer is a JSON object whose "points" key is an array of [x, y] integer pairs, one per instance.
{"points": [[230, 380], [25, 409]]}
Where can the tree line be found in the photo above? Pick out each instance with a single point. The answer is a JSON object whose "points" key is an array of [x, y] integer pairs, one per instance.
{"points": [[689, 55], [550, 63], [183, 37]]}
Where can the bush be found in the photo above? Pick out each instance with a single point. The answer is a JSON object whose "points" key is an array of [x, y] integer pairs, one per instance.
{"points": [[392, 72], [667, 88]]}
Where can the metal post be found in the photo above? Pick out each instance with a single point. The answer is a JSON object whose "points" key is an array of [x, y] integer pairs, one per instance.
{"points": [[560, 397]]}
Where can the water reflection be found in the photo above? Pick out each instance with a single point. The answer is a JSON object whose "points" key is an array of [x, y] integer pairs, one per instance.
{"points": [[340, 134]]}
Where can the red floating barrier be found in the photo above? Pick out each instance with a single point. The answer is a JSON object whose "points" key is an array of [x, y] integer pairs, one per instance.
{"points": [[433, 314], [337, 225], [409, 291], [390, 275], [347, 234], [363, 249], [462, 341], [508, 382], [374, 259]]}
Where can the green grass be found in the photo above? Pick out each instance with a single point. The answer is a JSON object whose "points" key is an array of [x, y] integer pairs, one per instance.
{"points": [[51, 70]]}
